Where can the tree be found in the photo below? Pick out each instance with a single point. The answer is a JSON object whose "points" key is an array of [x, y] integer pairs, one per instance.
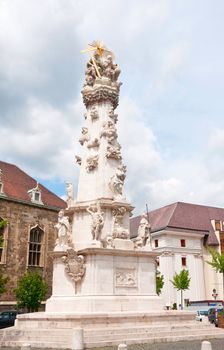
{"points": [[159, 283], [181, 282], [30, 291], [217, 263], [3, 223]]}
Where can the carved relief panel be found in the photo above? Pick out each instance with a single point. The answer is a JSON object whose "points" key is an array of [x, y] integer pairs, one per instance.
{"points": [[125, 278]]}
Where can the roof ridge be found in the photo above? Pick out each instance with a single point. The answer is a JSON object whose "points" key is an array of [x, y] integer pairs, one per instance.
{"points": [[172, 212]]}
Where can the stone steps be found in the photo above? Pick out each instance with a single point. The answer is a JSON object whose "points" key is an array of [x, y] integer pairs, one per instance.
{"points": [[148, 329], [52, 338], [138, 335], [56, 331], [158, 339], [61, 338]]}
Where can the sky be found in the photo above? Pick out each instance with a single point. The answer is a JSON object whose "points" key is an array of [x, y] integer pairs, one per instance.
{"points": [[171, 108]]}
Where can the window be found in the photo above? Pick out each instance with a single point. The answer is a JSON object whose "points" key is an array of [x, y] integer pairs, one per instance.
{"points": [[184, 261], [182, 243], [35, 243], [156, 242], [3, 225], [217, 225], [35, 195], [157, 262]]}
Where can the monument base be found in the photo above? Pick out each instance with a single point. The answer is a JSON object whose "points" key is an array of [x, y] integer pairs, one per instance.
{"points": [[57, 330], [115, 280]]}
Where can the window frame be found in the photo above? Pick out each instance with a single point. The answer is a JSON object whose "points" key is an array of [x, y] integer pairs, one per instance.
{"points": [[35, 251], [184, 259], [182, 243], [3, 249]]}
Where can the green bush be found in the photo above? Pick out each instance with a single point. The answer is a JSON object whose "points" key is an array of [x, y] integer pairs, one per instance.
{"points": [[31, 290]]}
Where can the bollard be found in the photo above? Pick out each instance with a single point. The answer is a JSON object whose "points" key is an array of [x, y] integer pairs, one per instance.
{"points": [[25, 346], [122, 347], [77, 339], [206, 345]]}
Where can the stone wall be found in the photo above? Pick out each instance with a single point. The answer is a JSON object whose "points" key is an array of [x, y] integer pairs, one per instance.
{"points": [[21, 218]]}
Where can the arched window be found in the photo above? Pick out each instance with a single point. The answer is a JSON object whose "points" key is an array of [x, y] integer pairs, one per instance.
{"points": [[35, 245], [3, 224]]}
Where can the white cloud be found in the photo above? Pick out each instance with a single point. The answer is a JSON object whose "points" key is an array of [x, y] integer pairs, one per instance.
{"points": [[216, 141], [172, 141]]}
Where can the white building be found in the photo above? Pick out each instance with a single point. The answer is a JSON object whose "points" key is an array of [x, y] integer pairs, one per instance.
{"points": [[180, 232]]}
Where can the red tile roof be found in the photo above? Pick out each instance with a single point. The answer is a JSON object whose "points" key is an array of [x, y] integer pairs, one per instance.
{"points": [[184, 216], [16, 183]]}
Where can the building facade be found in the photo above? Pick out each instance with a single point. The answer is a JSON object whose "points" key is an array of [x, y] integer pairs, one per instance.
{"points": [[28, 213], [181, 233]]}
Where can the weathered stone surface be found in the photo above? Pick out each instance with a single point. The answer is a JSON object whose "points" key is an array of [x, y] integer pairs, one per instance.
{"points": [[21, 218]]}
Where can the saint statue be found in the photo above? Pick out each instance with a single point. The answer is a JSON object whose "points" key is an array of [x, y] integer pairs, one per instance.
{"points": [[70, 196], [144, 229], [97, 220], [64, 230]]}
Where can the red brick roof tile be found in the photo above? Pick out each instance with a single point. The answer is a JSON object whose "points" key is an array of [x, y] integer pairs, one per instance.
{"points": [[184, 216], [16, 183]]}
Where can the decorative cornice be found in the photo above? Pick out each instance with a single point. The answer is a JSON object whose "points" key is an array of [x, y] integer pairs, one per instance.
{"points": [[104, 203], [100, 93], [120, 252]]}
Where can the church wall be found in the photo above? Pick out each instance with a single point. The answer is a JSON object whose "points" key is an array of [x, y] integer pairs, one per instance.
{"points": [[21, 218]]}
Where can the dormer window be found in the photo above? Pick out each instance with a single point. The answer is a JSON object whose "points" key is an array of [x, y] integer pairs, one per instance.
{"points": [[35, 195], [217, 225]]}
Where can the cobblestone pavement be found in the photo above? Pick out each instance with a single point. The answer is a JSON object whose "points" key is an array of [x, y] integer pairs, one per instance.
{"points": [[217, 344]]}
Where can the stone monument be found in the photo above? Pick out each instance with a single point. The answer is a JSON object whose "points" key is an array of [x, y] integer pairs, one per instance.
{"points": [[119, 275], [104, 284]]}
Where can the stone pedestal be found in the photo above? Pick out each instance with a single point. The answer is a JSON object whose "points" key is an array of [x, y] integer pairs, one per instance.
{"points": [[114, 281]]}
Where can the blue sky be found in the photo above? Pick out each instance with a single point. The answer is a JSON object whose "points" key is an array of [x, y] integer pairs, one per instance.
{"points": [[171, 124]]}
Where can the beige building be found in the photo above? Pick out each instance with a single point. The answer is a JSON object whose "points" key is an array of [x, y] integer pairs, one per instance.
{"points": [[181, 233], [29, 212]]}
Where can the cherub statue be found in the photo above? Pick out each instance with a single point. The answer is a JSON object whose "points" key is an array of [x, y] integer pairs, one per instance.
{"points": [[109, 131], [114, 152], [97, 220], [111, 70], [111, 114], [90, 74], [85, 136], [78, 160], [92, 162]]}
